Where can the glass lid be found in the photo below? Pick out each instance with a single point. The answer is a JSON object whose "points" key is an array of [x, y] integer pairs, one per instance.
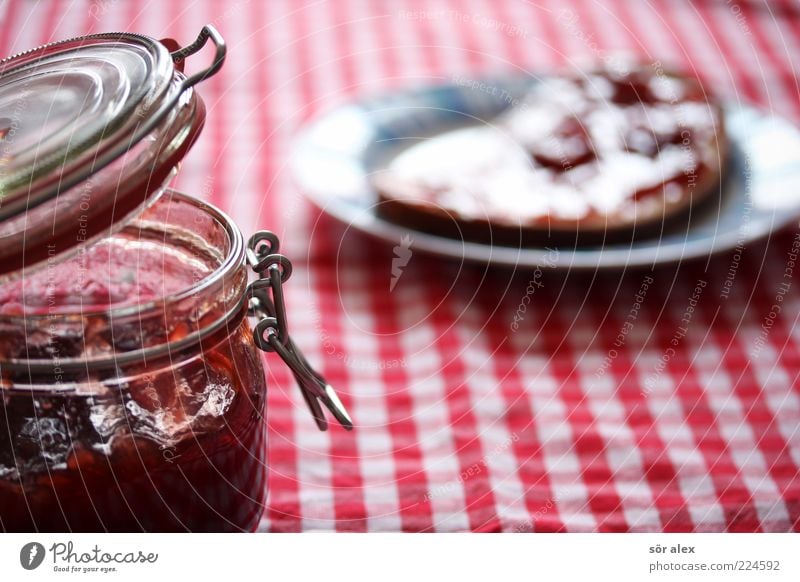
{"points": [[90, 128]]}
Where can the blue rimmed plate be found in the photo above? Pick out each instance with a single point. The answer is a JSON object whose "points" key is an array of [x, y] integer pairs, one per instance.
{"points": [[333, 157]]}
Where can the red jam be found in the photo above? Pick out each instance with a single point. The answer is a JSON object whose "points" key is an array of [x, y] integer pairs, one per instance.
{"points": [[175, 443], [111, 273], [617, 137]]}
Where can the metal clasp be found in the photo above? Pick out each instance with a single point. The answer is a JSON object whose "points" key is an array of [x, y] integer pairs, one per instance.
{"points": [[206, 33], [271, 333]]}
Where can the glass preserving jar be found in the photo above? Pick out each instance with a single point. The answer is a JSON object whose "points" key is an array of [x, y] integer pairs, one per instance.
{"points": [[132, 387]]}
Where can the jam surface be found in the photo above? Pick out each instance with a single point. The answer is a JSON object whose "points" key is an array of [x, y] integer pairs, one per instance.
{"points": [[114, 272], [577, 148]]}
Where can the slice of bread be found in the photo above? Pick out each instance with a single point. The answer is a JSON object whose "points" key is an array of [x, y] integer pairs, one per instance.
{"points": [[603, 157]]}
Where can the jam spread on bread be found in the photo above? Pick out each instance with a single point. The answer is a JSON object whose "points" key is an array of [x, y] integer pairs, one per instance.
{"points": [[590, 157]]}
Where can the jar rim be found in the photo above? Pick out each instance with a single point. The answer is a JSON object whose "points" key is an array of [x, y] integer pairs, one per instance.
{"points": [[233, 259]]}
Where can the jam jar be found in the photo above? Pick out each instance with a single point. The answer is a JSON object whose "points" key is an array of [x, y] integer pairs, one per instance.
{"points": [[132, 317]]}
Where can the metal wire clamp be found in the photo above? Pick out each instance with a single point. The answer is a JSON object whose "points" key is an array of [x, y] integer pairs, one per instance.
{"points": [[271, 334]]}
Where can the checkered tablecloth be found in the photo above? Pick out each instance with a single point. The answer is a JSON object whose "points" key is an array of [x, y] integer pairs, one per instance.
{"points": [[661, 400]]}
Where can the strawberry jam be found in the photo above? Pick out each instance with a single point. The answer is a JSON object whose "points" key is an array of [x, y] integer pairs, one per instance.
{"points": [[132, 393]]}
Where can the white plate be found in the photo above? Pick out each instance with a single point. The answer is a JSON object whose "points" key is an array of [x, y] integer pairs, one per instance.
{"points": [[333, 156]]}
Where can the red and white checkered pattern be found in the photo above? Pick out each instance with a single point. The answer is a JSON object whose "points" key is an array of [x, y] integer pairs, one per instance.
{"points": [[462, 423]]}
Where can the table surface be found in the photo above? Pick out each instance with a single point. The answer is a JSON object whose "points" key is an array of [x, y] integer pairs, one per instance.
{"points": [[661, 400]]}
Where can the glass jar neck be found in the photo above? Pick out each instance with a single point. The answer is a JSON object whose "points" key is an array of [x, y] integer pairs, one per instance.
{"points": [[170, 279]]}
